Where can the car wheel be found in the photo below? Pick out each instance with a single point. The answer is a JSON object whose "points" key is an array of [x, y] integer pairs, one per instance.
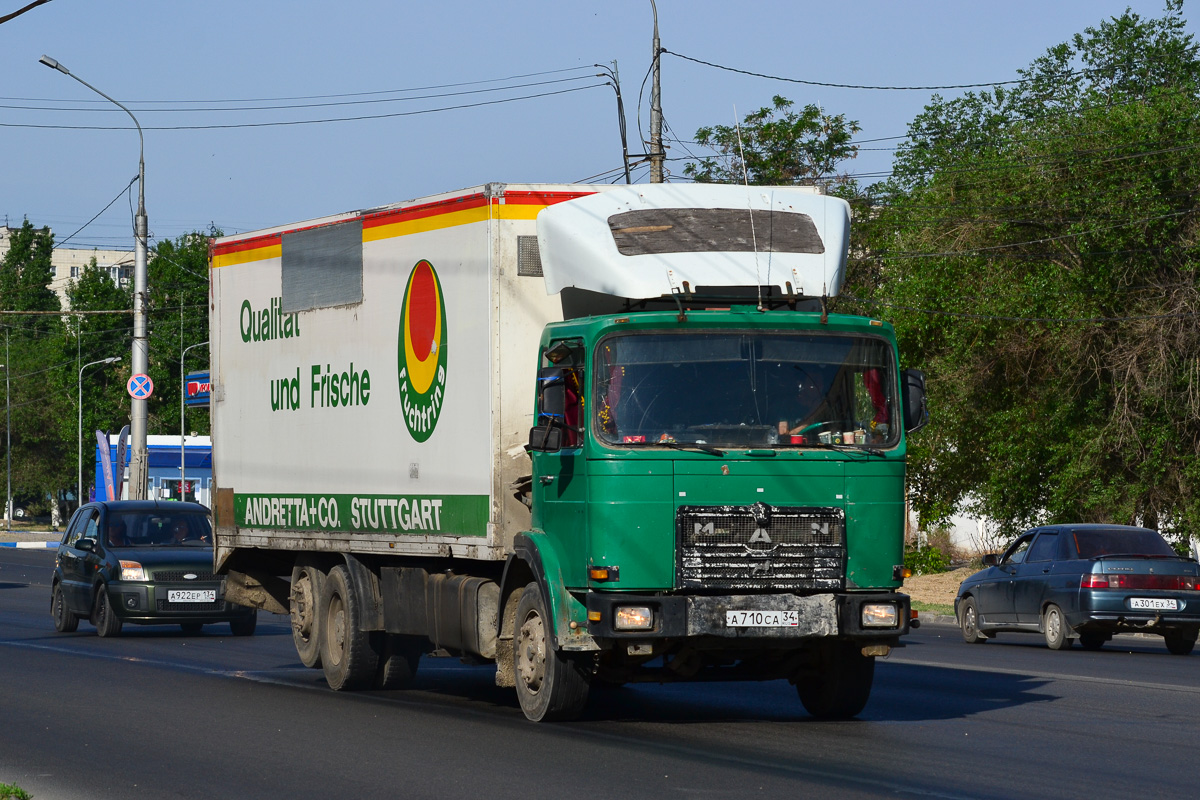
{"points": [[842, 684], [1092, 640], [191, 628], [304, 602], [64, 620], [968, 621], [108, 624], [551, 685], [244, 626], [347, 657], [1180, 643], [399, 656], [1054, 625]]}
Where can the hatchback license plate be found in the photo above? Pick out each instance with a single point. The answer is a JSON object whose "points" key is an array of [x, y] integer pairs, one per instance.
{"points": [[191, 595], [762, 619], [1154, 603]]}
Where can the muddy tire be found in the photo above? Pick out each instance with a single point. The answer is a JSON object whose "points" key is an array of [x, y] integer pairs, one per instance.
{"points": [[842, 685], [1180, 643], [551, 684], [1054, 626], [968, 622], [347, 657], [108, 624], [398, 659], [64, 620], [304, 601]]}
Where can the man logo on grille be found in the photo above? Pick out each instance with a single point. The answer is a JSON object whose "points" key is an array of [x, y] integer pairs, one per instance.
{"points": [[760, 535], [703, 530]]}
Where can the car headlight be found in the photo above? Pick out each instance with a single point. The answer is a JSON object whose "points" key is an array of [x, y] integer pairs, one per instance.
{"points": [[132, 571], [879, 615], [633, 618]]}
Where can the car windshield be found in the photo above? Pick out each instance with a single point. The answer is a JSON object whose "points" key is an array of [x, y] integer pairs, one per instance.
{"points": [[719, 388], [1096, 543], [157, 529]]}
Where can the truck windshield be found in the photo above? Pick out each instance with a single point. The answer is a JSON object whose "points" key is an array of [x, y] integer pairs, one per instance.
{"points": [[719, 388]]}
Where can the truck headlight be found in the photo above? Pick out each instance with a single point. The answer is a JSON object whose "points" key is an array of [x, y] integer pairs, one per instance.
{"points": [[633, 618], [879, 615], [132, 571]]}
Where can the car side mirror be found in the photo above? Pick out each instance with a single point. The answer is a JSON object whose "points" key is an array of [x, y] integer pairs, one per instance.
{"points": [[86, 544], [544, 439], [916, 413], [990, 559]]}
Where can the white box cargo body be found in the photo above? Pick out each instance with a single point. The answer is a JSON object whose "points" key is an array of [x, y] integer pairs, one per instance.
{"points": [[373, 375]]}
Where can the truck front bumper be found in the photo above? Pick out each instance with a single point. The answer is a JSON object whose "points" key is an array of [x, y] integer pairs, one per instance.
{"points": [[686, 616]]}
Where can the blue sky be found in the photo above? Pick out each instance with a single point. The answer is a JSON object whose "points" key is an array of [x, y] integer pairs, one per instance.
{"points": [[160, 57]]}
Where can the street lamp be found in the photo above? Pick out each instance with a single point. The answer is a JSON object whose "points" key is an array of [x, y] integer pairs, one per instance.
{"points": [[79, 486], [182, 396], [141, 359]]}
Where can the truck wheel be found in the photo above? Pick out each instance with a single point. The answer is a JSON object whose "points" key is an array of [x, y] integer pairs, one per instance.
{"points": [[399, 656], [968, 621], [303, 602], [346, 654], [108, 624], [1180, 643], [842, 686], [1054, 624], [550, 684], [64, 620]]}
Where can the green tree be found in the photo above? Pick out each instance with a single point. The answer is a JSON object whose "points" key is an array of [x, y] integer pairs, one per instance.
{"points": [[33, 406], [777, 146], [1037, 251], [178, 281]]}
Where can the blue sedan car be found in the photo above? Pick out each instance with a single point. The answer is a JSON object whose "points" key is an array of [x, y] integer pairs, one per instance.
{"points": [[1085, 583]]}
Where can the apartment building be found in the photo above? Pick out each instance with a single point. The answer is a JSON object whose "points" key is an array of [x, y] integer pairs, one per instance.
{"points": [[68, 262]]}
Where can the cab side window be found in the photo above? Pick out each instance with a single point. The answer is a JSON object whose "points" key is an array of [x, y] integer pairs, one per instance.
{"points": [[568, 356], [1045, 548]]}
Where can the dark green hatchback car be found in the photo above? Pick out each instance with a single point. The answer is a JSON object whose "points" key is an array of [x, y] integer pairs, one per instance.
{"points": [[143, 562]]}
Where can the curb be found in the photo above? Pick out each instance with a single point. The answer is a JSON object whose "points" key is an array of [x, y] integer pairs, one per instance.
{"points": [[929, 618], [30, 545]]}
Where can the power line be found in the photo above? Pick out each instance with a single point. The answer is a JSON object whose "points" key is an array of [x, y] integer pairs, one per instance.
{"points": [[302, 121], [844, 85]]}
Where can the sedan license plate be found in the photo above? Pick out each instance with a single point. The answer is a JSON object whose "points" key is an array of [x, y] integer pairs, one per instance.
{"points": [[762, 619], [1154, 603], [191, 595]]}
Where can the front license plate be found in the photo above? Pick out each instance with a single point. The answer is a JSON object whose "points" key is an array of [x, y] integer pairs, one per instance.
{"points": [[1154, 603], [762, 619], [191, 595]]}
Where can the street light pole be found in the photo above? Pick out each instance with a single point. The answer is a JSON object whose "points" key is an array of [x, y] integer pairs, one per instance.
{"points": [[7, 437], [141, 360], [79, 485], [182, 397]]}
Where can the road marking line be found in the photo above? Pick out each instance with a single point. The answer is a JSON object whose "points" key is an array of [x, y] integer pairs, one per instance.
{"points": [[1054, 676]]}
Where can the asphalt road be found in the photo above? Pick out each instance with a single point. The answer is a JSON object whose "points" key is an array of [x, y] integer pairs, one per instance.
{"points": [[159, 714]]}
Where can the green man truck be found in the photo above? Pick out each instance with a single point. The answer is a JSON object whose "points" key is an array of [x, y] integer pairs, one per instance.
{"points": [[592, 435]]}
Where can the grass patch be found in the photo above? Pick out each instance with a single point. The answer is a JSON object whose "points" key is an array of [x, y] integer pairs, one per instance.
{"points": [[933, 608], [10, 792]]}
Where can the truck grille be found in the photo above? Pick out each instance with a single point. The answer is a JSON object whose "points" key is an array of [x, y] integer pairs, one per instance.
{"points": [[761, 547]]}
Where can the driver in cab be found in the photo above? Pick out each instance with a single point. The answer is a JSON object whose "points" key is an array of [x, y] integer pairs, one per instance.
{"points": [[812, 404]]}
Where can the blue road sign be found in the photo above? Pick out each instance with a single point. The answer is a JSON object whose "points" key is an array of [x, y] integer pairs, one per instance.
{"points": [[140, 387]]}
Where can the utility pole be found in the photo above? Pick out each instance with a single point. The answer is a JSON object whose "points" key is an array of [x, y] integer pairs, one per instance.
{"points": [[140, 363], [656, 148]]}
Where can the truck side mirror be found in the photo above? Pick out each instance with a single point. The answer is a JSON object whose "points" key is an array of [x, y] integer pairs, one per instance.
{"points": [[545, 439], [552, 395], [916, 414]]}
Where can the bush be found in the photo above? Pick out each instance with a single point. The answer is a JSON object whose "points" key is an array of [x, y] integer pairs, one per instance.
{"points": [[925, 560], [10, 792]]}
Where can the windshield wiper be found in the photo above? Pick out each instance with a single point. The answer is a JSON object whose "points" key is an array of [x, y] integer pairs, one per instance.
{"points": [[850, 448], [703, 448]]}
